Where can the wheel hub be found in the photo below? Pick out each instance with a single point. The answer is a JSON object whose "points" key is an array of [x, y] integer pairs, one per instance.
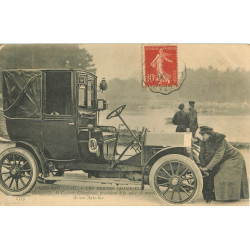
{"points": [[15, 172], [175, 181]]}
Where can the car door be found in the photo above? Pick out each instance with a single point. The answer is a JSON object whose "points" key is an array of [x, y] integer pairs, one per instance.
{"points": [[59, 132]]}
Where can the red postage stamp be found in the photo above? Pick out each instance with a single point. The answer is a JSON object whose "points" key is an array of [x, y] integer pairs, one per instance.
{"points": [[160, 65]]}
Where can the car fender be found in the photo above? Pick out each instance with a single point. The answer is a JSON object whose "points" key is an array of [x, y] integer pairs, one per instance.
{"points": [[165, 151], [37, 154]]}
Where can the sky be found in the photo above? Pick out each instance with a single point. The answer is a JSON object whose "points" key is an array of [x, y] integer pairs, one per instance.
{"points": [[116, 60], [124, 60]]}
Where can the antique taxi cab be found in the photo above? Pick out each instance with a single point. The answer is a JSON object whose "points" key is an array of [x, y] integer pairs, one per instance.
{"points": [[52, 117]]}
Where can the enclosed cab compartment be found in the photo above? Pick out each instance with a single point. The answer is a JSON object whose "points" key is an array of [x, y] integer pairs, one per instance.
{"points": [[51, 109]]}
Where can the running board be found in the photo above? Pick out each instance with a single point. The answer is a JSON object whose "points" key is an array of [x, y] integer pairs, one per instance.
{"points": [[93, 180]]}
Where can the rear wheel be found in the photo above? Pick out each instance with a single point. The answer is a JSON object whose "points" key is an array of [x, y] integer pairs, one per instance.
{"points": [[18, 171], [176, 180]]}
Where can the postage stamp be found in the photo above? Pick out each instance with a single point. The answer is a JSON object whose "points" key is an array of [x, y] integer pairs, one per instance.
{"points": [[161, 65]]}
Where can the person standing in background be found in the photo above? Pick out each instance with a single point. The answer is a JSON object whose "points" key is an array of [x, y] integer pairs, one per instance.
{"points": [[193, 121], [181, 119]]}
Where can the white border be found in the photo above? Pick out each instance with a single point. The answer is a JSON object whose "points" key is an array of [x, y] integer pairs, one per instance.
{"points": [[124, 22]]}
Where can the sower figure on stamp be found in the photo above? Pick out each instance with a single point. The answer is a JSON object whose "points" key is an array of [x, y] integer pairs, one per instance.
{"points": [[227, 179], [158, 64], [193, 122], [181, 119]]}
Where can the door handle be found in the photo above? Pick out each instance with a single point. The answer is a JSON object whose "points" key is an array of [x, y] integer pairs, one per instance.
{"points": [[71, 124]]}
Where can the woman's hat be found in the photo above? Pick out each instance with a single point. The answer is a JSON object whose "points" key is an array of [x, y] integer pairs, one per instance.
{"points": [[192, 102], [205, 130]]}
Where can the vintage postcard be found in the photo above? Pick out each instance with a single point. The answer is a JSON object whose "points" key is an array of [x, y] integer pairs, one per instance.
{"points": [[125, 124]]}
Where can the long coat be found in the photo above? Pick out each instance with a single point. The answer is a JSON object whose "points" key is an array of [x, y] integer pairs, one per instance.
{"points": [[193, 120], [181, 119], [227, 170]]}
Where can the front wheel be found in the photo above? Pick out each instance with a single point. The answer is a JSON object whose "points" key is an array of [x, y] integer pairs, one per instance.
{"points": [[176, 180], [18, 171]]}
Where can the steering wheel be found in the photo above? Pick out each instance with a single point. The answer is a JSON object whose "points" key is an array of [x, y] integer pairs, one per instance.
{"points": [[116, 112]]}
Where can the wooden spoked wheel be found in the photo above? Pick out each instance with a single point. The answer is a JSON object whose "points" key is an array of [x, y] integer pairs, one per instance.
{"points": [[176, 179], [18, 171]]}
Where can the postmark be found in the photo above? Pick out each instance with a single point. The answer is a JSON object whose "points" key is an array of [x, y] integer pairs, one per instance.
{"points": [[161, 73]]}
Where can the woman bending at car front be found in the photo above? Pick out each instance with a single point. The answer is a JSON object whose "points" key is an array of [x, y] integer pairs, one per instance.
{"points": [[227, 179]]}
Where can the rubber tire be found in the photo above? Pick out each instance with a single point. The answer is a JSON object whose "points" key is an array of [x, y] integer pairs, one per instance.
{"points": [[33, 164], [186, 161]]}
